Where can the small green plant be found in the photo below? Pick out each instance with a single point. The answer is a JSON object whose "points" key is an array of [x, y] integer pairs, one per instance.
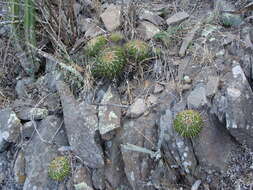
{"points": [[59, 168], [188, 123], [110, 62], [116, 37], [95, 45], [137, 49]]}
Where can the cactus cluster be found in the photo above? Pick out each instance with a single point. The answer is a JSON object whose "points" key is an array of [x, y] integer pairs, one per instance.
{"points": [[111, 54], [188, 123], [59, 168]]}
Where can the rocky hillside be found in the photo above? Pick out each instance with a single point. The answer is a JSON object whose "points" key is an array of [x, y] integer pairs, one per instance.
{"points": [[126, 95]]}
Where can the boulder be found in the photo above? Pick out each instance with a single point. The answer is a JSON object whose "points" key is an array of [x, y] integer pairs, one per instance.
{"points": [[111, 17]]}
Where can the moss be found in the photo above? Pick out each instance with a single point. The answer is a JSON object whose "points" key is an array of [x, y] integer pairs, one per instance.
{"points": [[188, 123], [110, 62], [137, 49], [59, 168], [116, 37], [95, 45]]}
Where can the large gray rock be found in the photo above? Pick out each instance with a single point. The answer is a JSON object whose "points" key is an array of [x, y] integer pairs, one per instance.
{"points": [[82, 179], [111, 17], [81, 123], [137, 108], [39, 154], [29, 113], [109, 115], [239, 120], [141, 132], [207, 145], [9, 128], [212, 86], [147, 30]]}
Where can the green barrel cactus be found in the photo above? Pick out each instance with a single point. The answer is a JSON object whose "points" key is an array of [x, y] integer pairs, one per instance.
{"points": [[59, 168], [110, 62], [137, 49], [95, 45], [188, 123], [116, 37]]}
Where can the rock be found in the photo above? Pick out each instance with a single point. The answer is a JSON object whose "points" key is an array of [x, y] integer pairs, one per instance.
{"points": [[197, 98], [196, 185], [158, 88], [251, 35], [114, 168], [147, 30], [229, 20], [138, 165], [85, 24], [239, 107], [151, 17], [98, 178], [187, 79], [111, 17], [94, 31], [28, 113], [186, 87], [137, 108], [176, 18], [19, 168], [82, 179], [21, 87], [207, 144], [39, 154], [9, 128], [178, 150], [212, 86], [27, 130], [81, 124], [109, 116]]}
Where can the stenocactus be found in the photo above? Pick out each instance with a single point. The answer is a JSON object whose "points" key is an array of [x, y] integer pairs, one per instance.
{"points": [[59, 168], [95, 45], [116, 37], [137, 49], [110, 62], [188, 123]]}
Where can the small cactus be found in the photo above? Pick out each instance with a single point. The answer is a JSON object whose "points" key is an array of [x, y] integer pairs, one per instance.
{"points": [[59, 168], [188, 123], [95, 45], [110, 62], [116, 37], [137, 49]]}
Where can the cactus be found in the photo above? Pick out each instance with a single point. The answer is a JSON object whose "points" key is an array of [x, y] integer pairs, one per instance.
{"points": [[116, 37], [59, 168], [137, 49], [95, 45], [188, 123], [110, 62]]}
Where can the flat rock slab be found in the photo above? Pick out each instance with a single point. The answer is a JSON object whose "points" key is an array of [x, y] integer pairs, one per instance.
{"points": [[39, 154], [147, 30], [178, 17], [140, 132], [137, 108], [81, 123], [239, 112], [151, 17], [111, 17], [212, 86], [197, 98], [207, 145], [9, 128], [109, 115]]}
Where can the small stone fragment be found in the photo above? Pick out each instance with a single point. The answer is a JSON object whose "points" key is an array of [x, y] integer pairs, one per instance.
{"points": [[111, 17], [82, 179], [151, 17], [19, 168], [147, 29], [187, 79], [178, 17], [196, 185], [158, 88]]}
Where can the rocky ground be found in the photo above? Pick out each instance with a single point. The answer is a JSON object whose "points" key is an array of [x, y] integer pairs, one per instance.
{"points": [[118, 134]]}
